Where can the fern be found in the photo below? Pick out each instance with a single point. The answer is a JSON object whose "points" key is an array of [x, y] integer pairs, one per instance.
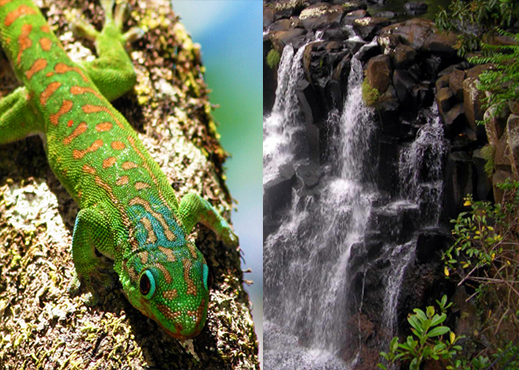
{"points": [[502, 80]]}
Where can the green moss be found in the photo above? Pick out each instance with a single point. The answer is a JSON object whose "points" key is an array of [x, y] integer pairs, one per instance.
{"points": [[370, 95], [488, 152], [273, 58]]}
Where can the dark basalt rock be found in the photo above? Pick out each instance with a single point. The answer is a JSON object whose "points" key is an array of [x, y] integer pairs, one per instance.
{"points": [[415, 8], [367, 27], [379, 73], [320, 16]]}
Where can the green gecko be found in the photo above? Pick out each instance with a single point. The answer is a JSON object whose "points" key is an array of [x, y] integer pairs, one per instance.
{"points": [[129, 211]]}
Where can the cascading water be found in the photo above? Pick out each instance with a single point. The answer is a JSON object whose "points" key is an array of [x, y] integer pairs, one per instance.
{"points": [[421, 184], [314, 259], [280, 127], [306, 260]]}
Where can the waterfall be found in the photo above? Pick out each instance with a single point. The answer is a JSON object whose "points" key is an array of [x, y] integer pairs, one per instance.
{"points": [[319, 257], [421, 184], [306, 260]]}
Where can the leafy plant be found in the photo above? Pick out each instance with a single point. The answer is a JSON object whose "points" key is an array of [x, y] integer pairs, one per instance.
{"points": [[502, 80], [427, 341], [484, 257], [273, 58], [476, 20]]}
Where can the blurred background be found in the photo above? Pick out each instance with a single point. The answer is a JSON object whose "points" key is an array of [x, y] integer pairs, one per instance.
{"points": [[230, 32]]}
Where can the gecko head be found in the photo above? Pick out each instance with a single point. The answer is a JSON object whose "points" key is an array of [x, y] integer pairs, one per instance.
{"points": [[171, 287]]}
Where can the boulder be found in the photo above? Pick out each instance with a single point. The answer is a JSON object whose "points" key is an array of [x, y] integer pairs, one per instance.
{"points": [[294, 36], [287, 8], [379, 73], [459, 174], [513, 105], [403, 56], [281, 25], [495, 124], [268, 16], [403, 83], [309, 174], [499, 177], [450, 117], [277, 193], [456, 78], [421, 35], [388, 101], [445, 100], [350, 17], [368, 51], [502, 154], [349, 6], [367, 27], [472, 101], [512, 128], [483, 183], [321, 15], [415, 7]]}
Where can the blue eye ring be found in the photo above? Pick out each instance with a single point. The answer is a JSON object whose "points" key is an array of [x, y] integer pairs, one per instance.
{"points": [[147, 284]]}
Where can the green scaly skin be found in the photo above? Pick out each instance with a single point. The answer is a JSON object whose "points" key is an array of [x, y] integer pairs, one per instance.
{"points": [[129, 211]]}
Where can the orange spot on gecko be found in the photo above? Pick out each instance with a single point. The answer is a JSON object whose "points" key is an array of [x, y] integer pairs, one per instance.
{"points": [[82, 127], [191, 287], [139, 185], [196, 315], [117, 145], [24, 41], [66, 106], [88, 108], [79, 194], [45, 28], [61, 68], [88, 169], [192, 249], [109, 162], [3, 2], [78, 154], [77, 90], [170, 294], [47, 93], [18, 12], [170, 314], [37, 66], [144, 257], [123, 180], [141, 202], [129, 165], [105, 126], [169, 253], [152, 238], [49, 74], [45, 43], [70, 123], [165, 272]]}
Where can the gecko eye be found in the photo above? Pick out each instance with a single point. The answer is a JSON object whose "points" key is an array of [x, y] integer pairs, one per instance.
{"points": [[147, 284]]}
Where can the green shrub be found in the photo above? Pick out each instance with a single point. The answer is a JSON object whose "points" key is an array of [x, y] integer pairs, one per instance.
{"points": [[430, 340], [370, 95], [273, 58]]}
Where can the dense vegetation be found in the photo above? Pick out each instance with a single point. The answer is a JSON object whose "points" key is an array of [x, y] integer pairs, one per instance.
{"points": [[484, 256]]}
